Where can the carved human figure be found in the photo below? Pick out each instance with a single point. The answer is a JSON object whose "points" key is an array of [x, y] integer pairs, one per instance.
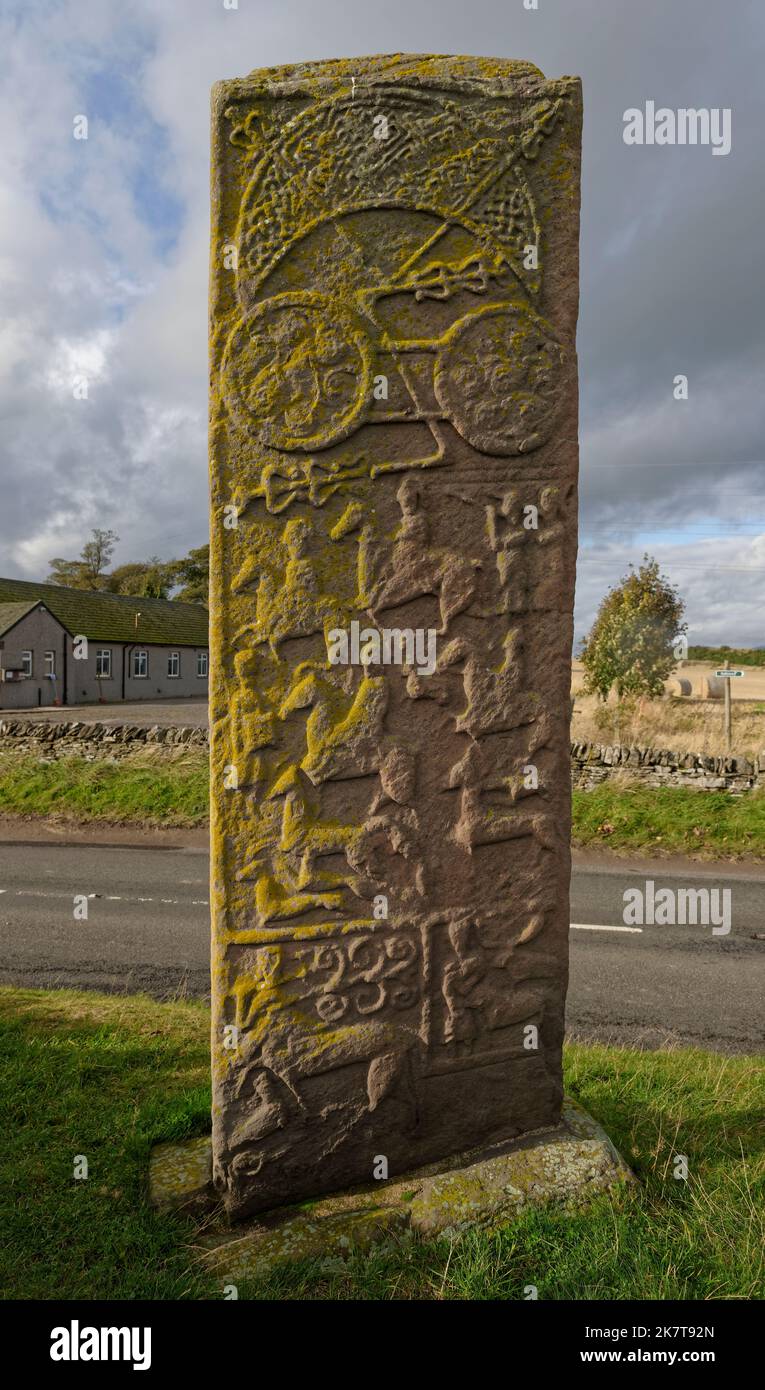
{"points": [[344, 730], [507, 538], [487, 821], [415, 568], [546, 549], [252, 722], [293, 604], [460, 983], [285, 862]]}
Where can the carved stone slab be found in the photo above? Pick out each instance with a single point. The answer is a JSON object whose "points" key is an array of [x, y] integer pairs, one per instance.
{"points": [[393, 460]]}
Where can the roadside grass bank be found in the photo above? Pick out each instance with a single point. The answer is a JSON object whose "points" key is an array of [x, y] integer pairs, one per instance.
{"points": [[135, 790], [174, 793], [107, 1076], [670, 820]]}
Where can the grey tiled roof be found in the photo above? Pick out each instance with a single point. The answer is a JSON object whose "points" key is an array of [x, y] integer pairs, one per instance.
{"points": [[11, 612], [110, 617]]}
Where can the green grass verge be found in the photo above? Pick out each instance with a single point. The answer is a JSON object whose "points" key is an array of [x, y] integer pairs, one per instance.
{"points": [[107, 1076], [665, 819], [671, 820], [171, 793]]}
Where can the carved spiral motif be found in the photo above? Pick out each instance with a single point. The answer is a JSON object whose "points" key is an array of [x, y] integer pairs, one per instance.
{"points": [[298, 371], [498, 377]]}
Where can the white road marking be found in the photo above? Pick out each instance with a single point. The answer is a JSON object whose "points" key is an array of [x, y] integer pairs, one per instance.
{"points": [[205, 902], [590, 926], [110, 897]]}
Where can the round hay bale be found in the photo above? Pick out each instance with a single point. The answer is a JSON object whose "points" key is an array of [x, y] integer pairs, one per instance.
{"points": [[680, 686], [712, 688]]}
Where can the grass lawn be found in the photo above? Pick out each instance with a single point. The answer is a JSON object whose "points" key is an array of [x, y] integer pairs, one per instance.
{"points": [[108, 1076], [176, 793]]}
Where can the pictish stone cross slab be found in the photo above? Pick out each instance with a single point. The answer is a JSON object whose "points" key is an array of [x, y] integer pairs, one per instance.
{"points": [[394, 461]]}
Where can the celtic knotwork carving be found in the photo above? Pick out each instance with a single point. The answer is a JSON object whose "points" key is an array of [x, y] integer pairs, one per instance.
{"points": [[435, 157], [299, 365]]}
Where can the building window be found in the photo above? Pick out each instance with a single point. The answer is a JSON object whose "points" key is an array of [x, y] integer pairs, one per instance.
{"points": [[202, 664], [103, 664], [140, 665], [174, 665], [26, 663], [50, 663]]}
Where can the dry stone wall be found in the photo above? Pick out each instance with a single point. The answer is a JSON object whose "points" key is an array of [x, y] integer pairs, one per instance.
{"points": [[591, 763], [79, 738]]}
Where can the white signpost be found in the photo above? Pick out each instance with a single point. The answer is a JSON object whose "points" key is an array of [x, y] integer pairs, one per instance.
{"points": [[728, 676]]}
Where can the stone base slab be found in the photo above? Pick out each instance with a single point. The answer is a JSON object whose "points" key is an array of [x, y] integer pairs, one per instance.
{"points": [[483, 1188], [180, 1175]]}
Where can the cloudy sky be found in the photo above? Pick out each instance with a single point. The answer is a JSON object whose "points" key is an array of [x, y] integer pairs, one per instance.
{"points": [[103, 270]]}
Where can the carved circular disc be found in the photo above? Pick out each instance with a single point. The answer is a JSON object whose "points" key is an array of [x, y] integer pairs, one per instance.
{"points": [[298, 371], [497, 379]]}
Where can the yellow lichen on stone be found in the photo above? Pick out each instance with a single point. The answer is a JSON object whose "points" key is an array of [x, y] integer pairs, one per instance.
{"points": [[383, 363]]}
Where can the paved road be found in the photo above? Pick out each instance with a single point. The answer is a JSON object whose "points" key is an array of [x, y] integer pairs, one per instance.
{"points": [[147, 929]]}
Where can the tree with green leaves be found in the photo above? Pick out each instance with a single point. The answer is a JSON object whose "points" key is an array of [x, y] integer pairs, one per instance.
{"points": [[630, 644], [90, 571], [192, 573], [151, 578]]}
